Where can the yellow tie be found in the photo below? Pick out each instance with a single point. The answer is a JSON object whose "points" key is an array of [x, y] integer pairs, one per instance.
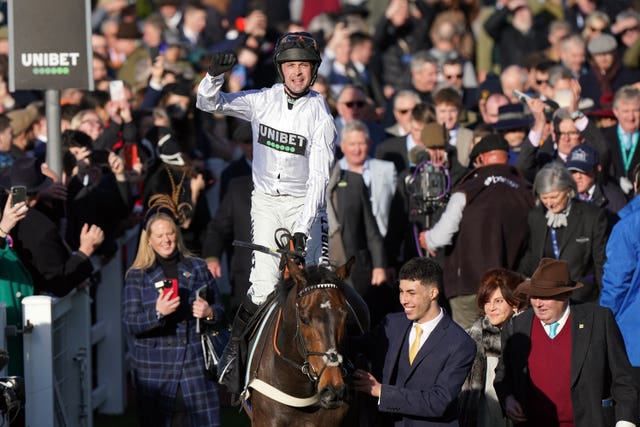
{"points": [[415, 346]]}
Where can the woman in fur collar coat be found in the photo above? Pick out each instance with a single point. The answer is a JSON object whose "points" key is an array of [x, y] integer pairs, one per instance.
{"points": [[479, 406]]}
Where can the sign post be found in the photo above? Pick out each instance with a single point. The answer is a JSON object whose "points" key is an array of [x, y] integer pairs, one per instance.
{"points": [[50, 50]]}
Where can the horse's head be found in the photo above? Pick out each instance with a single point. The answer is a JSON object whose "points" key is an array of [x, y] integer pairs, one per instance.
{"points": [[321, 313]]}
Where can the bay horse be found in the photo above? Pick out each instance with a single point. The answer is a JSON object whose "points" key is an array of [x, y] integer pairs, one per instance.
{"points": [[295, 374]]}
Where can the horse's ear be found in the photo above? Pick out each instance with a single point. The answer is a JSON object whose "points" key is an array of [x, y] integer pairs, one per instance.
{"points": [[344, 271], [296, 273]]}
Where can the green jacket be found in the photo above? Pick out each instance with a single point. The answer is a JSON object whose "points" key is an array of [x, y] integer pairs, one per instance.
{"points": [[15, 284]]}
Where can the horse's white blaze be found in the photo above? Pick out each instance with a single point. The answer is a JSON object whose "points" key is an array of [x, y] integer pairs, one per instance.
{"points": [[326, 305]]}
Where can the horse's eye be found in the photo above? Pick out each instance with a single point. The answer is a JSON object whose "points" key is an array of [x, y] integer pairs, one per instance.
{"points": [[306, 320]]}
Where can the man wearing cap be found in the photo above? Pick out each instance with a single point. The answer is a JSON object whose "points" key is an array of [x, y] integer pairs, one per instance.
{"points": [[607, 74], [293, 151], [485, 215], [583, 162], [564, 363]]}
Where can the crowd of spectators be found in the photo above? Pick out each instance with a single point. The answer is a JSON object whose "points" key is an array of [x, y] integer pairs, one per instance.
{"points": [[554, 85]]}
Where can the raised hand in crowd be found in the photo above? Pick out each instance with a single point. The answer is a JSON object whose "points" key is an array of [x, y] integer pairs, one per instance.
{"points": [[116, 163], [255, 24], [91, 236], [397, 12], [11, 215]]}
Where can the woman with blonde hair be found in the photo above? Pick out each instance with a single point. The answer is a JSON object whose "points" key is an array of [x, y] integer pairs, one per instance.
{"points": [[168, 296]]}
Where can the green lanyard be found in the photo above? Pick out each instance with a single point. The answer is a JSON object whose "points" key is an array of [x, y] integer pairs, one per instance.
{"points": [[627, 155]]}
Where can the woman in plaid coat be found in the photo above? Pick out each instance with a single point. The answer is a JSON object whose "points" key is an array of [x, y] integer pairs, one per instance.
{"points": [[167, 362]]}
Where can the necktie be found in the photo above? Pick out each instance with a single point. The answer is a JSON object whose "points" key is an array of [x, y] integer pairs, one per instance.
{"points": [[553, 330], [626, 144], [415, 346]]}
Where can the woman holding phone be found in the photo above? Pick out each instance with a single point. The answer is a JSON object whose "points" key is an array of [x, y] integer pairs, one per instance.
{"points": [[166, 356]]}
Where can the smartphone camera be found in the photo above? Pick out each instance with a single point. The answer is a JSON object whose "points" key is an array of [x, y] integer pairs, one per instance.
{"points": [[18, 194]]}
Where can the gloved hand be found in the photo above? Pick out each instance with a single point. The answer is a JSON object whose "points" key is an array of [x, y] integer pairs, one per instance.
{"points": [[299, 241], [222, 62]]}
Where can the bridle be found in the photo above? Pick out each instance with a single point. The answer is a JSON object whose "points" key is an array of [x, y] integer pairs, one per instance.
{"points": [[331, 357]]}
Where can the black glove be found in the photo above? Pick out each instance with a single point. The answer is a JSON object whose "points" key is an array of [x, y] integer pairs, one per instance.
{"points": [[299, 241], [222, 62]]}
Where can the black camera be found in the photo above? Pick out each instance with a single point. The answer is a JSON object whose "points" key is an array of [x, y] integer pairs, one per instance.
{"points": [[428, 188], [11, 395]]}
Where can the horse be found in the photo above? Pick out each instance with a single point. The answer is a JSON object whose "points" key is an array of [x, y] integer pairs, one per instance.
{"points": [[296, 373]]}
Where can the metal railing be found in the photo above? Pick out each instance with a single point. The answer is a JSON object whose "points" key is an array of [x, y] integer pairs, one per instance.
{"points": [[74, 361]]}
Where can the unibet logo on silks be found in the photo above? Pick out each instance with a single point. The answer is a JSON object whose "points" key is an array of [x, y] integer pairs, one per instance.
{"points": [[51, 63], [282, 141]]}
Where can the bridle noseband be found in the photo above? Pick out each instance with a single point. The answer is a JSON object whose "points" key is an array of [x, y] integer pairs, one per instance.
{"points": [[331, 357]]}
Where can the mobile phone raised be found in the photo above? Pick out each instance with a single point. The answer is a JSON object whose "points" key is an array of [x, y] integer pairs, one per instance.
{"points": [[116, 90], [18, 194], [170, 285]]}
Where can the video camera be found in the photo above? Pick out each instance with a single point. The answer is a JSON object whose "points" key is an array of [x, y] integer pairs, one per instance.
{"points": [[12, 393], [428, 186]]}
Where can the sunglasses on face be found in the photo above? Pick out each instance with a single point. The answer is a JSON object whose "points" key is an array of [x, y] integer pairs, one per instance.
{"points": [[404, 110], [542, 82], [354, 104], [629, 30], [453, 76]]}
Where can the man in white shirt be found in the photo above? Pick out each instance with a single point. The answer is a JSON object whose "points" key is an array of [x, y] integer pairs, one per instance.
{"points": [[293, 146]]}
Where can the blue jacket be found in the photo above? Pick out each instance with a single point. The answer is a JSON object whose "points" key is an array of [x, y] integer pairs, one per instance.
{"points": [[621, 279], [428, 395]]}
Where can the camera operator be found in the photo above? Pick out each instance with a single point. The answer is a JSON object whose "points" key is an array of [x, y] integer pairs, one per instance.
{"points": [[485, 214], [422, 192]]}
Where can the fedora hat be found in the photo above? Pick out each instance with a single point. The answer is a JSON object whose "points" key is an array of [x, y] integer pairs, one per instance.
{"points": [[26, 171], [551, 278]]}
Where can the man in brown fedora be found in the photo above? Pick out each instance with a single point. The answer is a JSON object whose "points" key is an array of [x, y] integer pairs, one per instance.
{"points": [[563, 363]]}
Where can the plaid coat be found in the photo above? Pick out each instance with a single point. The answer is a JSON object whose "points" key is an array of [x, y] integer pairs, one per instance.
{"points": [[167, 352]]}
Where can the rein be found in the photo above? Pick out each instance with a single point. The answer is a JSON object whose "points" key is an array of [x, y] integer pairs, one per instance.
{"points": [[331, 357]]}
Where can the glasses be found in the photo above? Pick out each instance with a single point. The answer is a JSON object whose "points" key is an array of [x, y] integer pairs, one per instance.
{"points": [[91, 122], [570, 134], [596, 29], [404, 110], [542, 82], [354, 104], [453, 76]]}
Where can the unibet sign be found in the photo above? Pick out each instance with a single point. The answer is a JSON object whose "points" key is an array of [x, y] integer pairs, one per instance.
{"points": [[58, 54]]}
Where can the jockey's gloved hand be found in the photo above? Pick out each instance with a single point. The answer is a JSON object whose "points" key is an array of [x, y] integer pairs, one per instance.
{"points": [[221, 62], [299, 241]]}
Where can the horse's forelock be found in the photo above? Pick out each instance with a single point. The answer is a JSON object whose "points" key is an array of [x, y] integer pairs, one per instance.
{"points": [[314, 274]]}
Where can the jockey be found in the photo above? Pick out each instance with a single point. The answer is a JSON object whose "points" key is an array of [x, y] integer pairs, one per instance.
{"points": [[293, 151]]}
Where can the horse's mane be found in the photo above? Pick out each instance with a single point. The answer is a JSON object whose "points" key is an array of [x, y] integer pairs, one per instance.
{"points": [[314, 274]]}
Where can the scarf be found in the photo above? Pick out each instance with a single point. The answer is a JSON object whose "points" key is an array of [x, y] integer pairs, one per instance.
{"points": [[487, 338], [605, 78], [556, 220]]}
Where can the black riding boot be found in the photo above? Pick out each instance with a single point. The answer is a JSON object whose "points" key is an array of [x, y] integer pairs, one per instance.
{"points": [[230, 372]]}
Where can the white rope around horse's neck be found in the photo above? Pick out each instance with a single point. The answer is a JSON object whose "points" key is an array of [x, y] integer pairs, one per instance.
{"points": [[279, 396]]}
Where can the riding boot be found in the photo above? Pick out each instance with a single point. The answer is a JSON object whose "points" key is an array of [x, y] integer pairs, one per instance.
{"points": [[230, 372]]}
